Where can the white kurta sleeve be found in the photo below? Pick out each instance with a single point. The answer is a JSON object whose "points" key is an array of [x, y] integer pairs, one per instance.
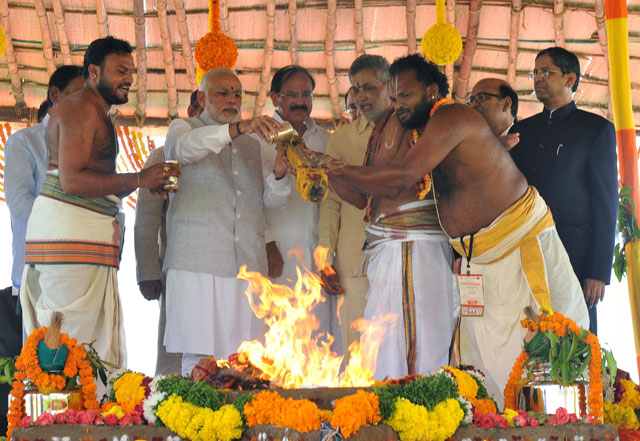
{"points": [[187, 145], [276, 191]]}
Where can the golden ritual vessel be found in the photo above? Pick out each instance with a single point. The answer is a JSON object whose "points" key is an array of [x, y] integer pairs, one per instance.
{"points": [[311, 179]]}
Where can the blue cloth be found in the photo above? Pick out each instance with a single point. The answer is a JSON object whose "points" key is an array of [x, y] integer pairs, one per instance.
{"points": [[26, 161]]}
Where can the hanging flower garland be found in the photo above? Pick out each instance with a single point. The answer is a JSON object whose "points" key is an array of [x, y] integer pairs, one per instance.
{"points": [[3, 41], [442, 42], [214, 49]]}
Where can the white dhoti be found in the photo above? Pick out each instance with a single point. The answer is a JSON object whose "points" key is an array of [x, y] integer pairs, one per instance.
{"points": [[208, 315], [72, 257], [410, 276], [523, 263]]}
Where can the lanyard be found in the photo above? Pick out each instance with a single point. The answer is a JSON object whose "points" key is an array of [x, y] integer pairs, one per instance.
{"points": [[468, 255]]}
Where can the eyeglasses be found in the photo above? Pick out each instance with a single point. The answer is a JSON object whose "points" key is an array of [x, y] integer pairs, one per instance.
{"points": [[295, 95], [225, 93], [481, 97], [544, 73]]}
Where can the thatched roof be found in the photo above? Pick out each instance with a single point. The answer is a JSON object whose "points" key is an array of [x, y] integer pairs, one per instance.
{"points": [[501, 39]]}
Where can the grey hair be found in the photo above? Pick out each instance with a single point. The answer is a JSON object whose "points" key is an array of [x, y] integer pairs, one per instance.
{"points": [[376, 62], [204, 84]]}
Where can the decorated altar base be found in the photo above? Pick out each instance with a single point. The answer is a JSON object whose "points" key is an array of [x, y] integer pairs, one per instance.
{"points": [[563, 432]]}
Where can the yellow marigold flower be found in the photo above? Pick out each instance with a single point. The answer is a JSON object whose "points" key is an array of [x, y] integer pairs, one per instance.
{"points": [[442, 43]]}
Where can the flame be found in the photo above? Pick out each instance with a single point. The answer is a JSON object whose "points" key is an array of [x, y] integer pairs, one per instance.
{"points": [[293, 354]]}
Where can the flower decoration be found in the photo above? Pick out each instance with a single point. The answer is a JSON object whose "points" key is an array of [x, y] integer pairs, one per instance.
{"points": [[270, 408], [442, 43], [3, 41], [354, 411], [214, 49]]}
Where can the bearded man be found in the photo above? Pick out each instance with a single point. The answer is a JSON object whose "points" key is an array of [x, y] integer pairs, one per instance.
{"points": [[513, 257], [410, 267], [215, 223], [74, 237]]}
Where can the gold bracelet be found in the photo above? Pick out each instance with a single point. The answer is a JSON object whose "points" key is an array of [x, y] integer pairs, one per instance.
{"points": [[138, 176]]}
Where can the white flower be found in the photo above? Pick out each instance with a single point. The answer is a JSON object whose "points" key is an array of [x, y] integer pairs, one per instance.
{"points": [[466, 408], [150, 403]]}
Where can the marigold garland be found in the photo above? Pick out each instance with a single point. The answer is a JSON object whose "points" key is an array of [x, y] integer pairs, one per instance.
{"points": [[216, 50], [129, 391], [354, 411], [413, 422], [29, 368], [270, 408], [442, 43], [559, 324]]}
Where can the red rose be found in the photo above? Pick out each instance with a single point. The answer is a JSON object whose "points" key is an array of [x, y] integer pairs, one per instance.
{"points": [[99, 420], [44, 420], [561, 416], [501, 422], [25, 422], [573, 418], [111, 419], [532, 420], [60, 418], [86, 417], [125, 420], [486, 421], [72, 418], [136, 419], [520, 420]]}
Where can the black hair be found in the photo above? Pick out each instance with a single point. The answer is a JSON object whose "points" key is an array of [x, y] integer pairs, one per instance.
{"points": [[426, 71], [376, 62], [100, 48], [346, 95], [508, 91], [60, 79], [194, 100], [566, 60], [285, 73]]}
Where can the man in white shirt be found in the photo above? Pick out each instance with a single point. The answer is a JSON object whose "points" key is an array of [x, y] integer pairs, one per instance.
{"points": [[497, 102], [215, 222], [295, 226]]}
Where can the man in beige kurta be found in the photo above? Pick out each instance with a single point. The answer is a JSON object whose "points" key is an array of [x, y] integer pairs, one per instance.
{"points": [[341, 230]]}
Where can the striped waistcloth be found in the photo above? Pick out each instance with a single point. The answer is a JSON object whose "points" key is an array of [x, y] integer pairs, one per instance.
{"points": [[52, 188]]}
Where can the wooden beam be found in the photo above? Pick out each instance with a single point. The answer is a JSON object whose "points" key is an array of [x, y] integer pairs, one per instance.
{"points": [[183, 29], [514, 33], [449, 69], [101, 17], [47, 45], [170, 73], [224, 17], [329, 53], [411, 27], [58, 11], [265, 76], [141, 61], [469, 50], [12, 61], [358, 21], [602, 39], [293, 31], [558, 22]]}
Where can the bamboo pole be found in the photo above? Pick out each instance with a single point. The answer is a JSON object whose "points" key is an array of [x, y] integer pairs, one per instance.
{"points": [[187, 55], [12, 61], [469, 50], [558, 22], [47, 46], [101, 17], [329, 53], [602, 39], [167, 52], [58, 11], [141, 58], [224, 17], [265, 75], [514, 34], [293, 31], [449, 69], [618, 48], [411, 27], [359, 27]]}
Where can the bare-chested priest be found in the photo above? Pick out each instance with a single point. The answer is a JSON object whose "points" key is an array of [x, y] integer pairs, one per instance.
{"points": [[73, 236], [502, 226], [410, 267]]}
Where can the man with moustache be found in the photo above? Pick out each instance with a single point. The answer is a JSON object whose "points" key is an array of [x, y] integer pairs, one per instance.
{"points": [[497, 102], [410, 260], [501, 226], [73, 238], [215, 223], [350, 105], [295, 226], [569, 155], [341, 225]]}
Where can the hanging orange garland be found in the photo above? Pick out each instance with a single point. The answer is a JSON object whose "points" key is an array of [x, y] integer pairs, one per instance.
{"points": [[215, 49]]}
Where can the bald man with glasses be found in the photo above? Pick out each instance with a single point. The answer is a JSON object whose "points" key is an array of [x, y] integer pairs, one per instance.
{"points": [[497, 102]]}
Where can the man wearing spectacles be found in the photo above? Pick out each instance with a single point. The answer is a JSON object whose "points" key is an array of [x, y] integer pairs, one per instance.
{"points": [[350, 105], [215, 222], [569, 155], [497, 102], [296, 224]]}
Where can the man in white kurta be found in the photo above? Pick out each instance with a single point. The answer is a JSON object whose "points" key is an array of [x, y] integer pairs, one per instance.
{"points": [[215, 222], [294, 226]]}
